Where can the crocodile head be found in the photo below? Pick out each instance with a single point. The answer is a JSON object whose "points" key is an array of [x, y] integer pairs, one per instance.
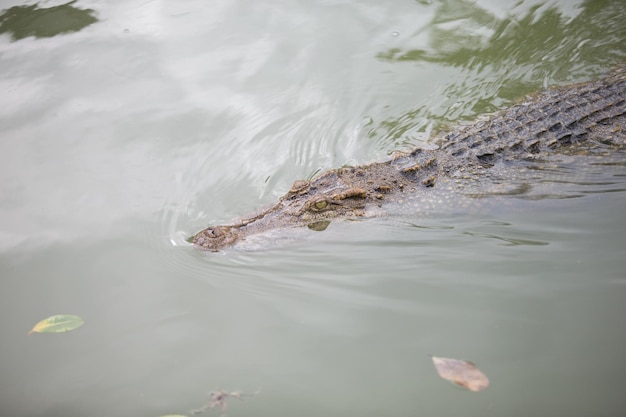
{"points": [[308, 203], [348, 192]]}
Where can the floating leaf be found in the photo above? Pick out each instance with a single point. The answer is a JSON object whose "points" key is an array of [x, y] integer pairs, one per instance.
{"points": [[58, 324], [462, 373]]}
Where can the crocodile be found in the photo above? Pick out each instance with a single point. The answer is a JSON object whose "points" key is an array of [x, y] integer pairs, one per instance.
{"points": [[585, 115]]}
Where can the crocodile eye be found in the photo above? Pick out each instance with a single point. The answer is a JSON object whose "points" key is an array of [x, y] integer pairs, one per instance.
{"points": [[320, 205]]}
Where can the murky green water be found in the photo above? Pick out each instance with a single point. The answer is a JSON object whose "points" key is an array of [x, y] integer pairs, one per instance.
{"points": [[119, 140]]}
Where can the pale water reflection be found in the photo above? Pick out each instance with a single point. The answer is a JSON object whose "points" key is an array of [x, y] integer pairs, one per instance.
{"points": [[120, 140]]}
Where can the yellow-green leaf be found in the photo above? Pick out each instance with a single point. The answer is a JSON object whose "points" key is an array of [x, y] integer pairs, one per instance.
{"points": [[58, 324]]}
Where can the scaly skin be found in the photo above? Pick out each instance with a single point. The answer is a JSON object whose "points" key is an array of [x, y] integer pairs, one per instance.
{"points": [[591, 114]]}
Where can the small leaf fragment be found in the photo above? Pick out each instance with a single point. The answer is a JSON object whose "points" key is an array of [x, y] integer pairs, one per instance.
{"points": [[461, 372], [220, 398], [57, 324]]}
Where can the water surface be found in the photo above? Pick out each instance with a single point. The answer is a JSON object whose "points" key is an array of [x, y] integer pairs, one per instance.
{"points": [[119, 138]]}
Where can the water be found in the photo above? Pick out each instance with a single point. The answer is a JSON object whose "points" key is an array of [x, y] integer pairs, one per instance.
{"points": [[121, 139]]}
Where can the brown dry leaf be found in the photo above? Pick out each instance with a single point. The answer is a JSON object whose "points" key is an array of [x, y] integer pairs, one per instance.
{"points": [[461, 372]]}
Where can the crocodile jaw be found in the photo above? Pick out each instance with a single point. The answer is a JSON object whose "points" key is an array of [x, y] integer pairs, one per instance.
{"points": [[312, 210]]}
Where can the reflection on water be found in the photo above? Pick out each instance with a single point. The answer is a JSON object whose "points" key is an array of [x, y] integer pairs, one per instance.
{"points": [[44, 22], [119, 141], [559, 46], [464, 34]]}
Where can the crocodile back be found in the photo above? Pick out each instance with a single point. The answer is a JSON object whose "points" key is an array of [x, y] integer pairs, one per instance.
{"points": [[589, 114]]}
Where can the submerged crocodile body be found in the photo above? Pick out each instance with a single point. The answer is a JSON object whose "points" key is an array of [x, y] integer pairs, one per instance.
{"points": [[591, 114]]}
